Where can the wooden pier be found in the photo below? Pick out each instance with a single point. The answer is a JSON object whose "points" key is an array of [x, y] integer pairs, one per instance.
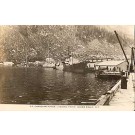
{"points": [[120, 98], [124, 98], [106, 98]]}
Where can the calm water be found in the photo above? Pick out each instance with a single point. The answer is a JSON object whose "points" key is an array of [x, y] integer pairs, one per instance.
{"points": [[48, 86]]}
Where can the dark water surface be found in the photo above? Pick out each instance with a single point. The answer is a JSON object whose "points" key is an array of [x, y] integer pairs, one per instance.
{"points": [[49, 86]]}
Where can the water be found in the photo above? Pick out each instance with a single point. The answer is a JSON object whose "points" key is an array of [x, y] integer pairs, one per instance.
{"points": [[49, 86]]}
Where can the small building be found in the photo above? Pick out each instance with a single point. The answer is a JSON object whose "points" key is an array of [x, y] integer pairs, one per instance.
{"points": [[38, 63], [8, 64], [50, 60], [112, 65], [1, 64]]}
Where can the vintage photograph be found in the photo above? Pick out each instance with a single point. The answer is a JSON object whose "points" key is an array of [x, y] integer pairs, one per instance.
{"points": [[88, 65]]}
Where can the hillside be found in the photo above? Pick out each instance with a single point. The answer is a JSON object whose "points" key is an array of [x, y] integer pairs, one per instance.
{"points": [[84, 42]]}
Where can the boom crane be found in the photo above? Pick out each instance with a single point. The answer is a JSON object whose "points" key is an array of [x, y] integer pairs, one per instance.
{"points": [[121, 47], [132, 65]]}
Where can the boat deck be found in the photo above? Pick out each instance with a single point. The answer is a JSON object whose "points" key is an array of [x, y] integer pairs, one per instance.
{"points": [[109, 75]]}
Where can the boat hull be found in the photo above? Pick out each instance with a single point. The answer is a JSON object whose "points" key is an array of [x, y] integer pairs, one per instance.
{"points": [[59, 67], [48, 65], [108, 75], [76, 68], [89, 70]]}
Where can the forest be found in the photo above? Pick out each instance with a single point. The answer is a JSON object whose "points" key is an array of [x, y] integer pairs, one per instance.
{"points": [[36, 41]]}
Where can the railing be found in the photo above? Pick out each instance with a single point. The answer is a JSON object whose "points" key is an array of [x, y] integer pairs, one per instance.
{"points": [[107, 97]]}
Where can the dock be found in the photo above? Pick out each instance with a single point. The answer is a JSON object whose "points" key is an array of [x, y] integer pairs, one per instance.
{"points": [[124, 98], [121, 99]]}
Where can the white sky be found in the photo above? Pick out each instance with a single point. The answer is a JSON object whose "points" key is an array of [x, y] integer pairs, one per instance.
{"points": [[126, 29]]}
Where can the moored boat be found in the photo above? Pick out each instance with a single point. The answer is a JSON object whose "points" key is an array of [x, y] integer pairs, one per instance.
{"points": [[108, 75], [111, 69], [73, 65], [59, 66], [49, 63]]}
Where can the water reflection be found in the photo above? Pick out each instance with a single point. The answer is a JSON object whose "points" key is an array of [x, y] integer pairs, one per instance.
{"points": [[48, 86]]}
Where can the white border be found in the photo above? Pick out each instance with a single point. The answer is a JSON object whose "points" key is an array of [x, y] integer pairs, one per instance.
{"points": [[103, 12], [106, 12]]}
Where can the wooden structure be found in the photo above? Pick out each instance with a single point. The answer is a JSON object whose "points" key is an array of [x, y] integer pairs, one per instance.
{"points": [[110, 69], [132, 64], [10, 64], [106, 98], [119, 65], [121, 47]]}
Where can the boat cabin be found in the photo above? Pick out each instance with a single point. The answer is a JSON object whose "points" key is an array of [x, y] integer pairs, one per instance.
{"points": [[116, 66], [71, 61]]}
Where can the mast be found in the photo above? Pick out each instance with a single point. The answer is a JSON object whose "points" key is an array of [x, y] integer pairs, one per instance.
{"points": [[132, 60], [26, 56], [26, 53], [70, 55], [68, 51], [48, 53], [121, 47]]}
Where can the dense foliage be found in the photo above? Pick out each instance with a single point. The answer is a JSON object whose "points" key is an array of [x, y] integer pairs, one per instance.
{"points": [[36, 42]]}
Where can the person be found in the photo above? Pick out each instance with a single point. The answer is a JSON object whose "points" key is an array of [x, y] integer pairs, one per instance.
{"points": [[114, 69], [119, 69], [122, 73]]}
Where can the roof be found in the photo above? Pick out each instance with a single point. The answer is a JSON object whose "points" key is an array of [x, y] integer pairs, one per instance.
{"points": [[49, 59], [109, 63]]}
